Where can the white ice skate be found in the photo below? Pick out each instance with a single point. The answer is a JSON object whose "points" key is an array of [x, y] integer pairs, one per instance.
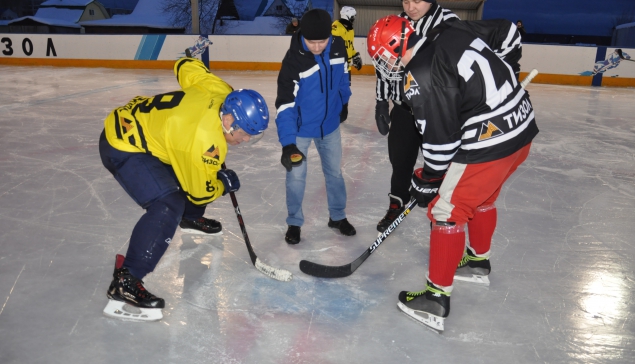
{"points": [[124, 311]]}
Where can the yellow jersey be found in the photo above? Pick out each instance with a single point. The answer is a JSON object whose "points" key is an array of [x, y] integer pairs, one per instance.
{"points": [[180, 128], [338, 29]]}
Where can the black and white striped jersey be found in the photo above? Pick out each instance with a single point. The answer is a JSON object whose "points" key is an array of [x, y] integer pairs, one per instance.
{"points": [[466, 101], [391, 90], [502, 37]]}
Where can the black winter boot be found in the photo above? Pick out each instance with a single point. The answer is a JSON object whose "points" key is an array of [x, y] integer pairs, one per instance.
{"points": [[293, 235]]}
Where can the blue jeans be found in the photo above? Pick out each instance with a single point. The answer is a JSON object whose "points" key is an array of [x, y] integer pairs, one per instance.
{"points": [[330, 150], [153, 186]]}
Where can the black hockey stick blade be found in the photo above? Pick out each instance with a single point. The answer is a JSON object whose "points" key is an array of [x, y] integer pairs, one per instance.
{"points": [[327, 271], [275, 273]]}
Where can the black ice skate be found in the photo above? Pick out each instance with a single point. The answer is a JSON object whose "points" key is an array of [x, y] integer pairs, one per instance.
{"points": [[394, 210], [128, 298], [430, 306], [201, 226], [473, 268]]}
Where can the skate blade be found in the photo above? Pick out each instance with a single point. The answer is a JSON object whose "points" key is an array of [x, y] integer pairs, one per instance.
{"points": [[474, 278], [123, 311], [198, 232], [432, 322]]}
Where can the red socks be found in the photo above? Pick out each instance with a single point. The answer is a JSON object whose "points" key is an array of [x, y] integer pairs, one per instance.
{"points": [[481, 229], [447, 244]]}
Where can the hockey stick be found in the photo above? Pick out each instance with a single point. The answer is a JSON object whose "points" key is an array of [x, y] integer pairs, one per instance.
{"points": [[326, 271], [275, 273], [529, 77], [621, 55]]}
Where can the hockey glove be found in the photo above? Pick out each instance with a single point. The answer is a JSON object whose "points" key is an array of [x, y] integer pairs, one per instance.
{"points": [[424, 189], [357, 61], [382, 117], [291, 157], [344, 113], [229, 179]]}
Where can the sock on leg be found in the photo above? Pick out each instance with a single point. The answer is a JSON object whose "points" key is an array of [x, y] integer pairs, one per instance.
{"points": [[481, 229], [446, 249]]}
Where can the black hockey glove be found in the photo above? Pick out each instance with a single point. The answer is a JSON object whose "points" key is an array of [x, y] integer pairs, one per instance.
{"points": [[344, 113], [229, 179], [357, 61], [424, 189], [382, 117], [291, 156]]}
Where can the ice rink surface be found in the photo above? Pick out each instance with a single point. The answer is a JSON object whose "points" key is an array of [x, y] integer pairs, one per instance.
{"points": [[563, 278]]}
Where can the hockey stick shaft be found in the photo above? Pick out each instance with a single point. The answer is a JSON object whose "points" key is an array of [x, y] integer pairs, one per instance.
{"points": [[326, 271], [529, 77], [275, 273]]}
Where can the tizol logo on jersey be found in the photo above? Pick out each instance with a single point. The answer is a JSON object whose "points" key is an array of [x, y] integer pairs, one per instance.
{"points": [[211, 156], [126, 124], [489, 130], [410, 86]]}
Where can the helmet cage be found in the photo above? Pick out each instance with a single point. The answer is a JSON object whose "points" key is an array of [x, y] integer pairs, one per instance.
{"points": [[388, 61], [387, 65]]}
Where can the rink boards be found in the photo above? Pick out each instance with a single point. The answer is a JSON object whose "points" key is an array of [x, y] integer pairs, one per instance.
{"points": [[564, 65]]}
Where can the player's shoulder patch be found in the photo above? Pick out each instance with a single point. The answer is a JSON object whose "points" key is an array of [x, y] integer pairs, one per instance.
{"points": [[212, 156], [411, 86]]}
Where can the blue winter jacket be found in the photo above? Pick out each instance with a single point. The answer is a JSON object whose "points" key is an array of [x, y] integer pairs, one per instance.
{"points": [[311, 90]]}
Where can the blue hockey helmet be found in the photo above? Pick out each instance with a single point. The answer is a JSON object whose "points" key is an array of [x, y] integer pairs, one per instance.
{"points": [[249, 110]]}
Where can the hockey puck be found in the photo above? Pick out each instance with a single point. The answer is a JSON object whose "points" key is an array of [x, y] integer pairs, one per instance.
{"points": [[296, 159]]}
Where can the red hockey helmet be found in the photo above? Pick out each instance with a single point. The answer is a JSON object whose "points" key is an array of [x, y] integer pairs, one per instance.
{"points": [[386, 42]]}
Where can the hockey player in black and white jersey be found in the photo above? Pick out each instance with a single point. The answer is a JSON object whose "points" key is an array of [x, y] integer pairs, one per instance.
{"points": [[477, 124], [403, 140]]}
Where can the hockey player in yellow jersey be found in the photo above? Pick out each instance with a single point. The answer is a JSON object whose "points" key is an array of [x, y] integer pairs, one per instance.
{"points": [[344, 28], [167, 152]]}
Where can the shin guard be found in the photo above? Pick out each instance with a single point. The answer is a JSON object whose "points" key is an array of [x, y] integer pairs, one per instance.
{"points": [[446, 249], [481, 229]]}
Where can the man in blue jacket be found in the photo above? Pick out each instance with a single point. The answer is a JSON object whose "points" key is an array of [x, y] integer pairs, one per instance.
{"points": [[313, 93]]}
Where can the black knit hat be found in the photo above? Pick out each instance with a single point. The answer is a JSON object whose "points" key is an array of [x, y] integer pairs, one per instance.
{"points": [[316, 25]]}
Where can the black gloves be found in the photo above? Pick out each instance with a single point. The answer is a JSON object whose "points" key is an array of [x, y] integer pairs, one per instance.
{"points": [[229, 179], [382, 117], [344, 113], [357, 61], [424, 189], [291, 156]]}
